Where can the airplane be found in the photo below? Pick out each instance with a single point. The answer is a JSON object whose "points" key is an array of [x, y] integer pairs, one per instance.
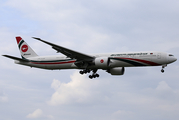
{"points": [[114, 63]]}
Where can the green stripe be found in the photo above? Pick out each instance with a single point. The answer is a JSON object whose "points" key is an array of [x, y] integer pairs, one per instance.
{"points": [[20, 43], [129, 61], [52, 61]]}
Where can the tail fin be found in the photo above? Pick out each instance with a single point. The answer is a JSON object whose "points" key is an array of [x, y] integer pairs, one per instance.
{"points": [[25, 50]]}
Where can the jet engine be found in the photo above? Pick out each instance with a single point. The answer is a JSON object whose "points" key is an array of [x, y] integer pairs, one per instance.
{"points": [[101, 62], [116, 71]]}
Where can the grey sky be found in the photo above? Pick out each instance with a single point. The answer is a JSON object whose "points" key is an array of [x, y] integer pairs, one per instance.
{"points": [[91, 26]]}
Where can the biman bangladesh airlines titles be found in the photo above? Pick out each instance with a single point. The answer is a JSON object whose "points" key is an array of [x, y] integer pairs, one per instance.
{"points": [[112, 63]]}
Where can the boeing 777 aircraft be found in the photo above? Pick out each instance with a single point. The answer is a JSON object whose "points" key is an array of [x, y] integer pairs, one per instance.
{"points": [[112, 63]]}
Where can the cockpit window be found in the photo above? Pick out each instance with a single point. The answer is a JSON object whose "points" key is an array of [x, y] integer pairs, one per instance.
{"points": [[171, 55]]}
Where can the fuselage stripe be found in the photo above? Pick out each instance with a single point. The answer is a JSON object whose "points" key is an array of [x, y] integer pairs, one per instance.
{"points": [[144, 61], [52, 63], [136, 61], [130, 62]]}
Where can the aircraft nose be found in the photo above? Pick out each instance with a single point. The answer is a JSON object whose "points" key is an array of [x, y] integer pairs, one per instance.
{"points": [[172, 59], [175, 59]]}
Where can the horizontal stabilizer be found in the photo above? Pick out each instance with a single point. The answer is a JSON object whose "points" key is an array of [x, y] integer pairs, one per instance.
{"points": [[15, 58]]}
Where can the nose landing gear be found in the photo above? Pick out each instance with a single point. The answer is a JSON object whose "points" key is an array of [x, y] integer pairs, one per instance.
{"points": [[163, 66]]}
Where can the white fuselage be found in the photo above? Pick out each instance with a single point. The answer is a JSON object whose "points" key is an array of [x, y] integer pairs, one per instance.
{"points": [[130, 59], [113, 63]]}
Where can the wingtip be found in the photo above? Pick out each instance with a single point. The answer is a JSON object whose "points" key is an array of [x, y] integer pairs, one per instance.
{"points": [[36, 38]]}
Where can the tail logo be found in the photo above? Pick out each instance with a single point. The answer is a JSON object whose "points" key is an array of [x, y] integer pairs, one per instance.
{"points": [[24, 48]]}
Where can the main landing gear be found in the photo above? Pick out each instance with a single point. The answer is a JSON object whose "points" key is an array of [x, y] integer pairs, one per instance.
{"points": [[94, 75], [85, 71], [163, 66]]}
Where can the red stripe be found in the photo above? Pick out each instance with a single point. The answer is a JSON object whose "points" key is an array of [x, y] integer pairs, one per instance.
{"points": [[42, 63], [144, 61], [18, 39]]}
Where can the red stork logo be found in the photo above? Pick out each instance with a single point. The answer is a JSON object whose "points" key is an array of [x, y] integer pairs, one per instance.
{"points": [[101, 60], [24, 48]]}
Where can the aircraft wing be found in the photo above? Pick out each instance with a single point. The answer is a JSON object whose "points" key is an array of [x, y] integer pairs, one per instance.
{"points": [[68, 52], [15, 58]]}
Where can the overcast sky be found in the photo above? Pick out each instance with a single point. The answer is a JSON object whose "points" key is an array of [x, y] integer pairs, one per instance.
{"points": [[90, 26]]}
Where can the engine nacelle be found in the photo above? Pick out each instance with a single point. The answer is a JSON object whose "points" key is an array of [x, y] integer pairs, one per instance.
{"points": [[102, 62], [116, 71]]}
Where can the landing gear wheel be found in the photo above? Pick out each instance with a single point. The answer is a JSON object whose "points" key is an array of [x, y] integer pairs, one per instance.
{"points": [[81, 72], [97, 75], [162, 70], [90, 76]]}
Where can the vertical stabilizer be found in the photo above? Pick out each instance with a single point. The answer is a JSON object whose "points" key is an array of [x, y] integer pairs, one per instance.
{"points": [[25, 50]]}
